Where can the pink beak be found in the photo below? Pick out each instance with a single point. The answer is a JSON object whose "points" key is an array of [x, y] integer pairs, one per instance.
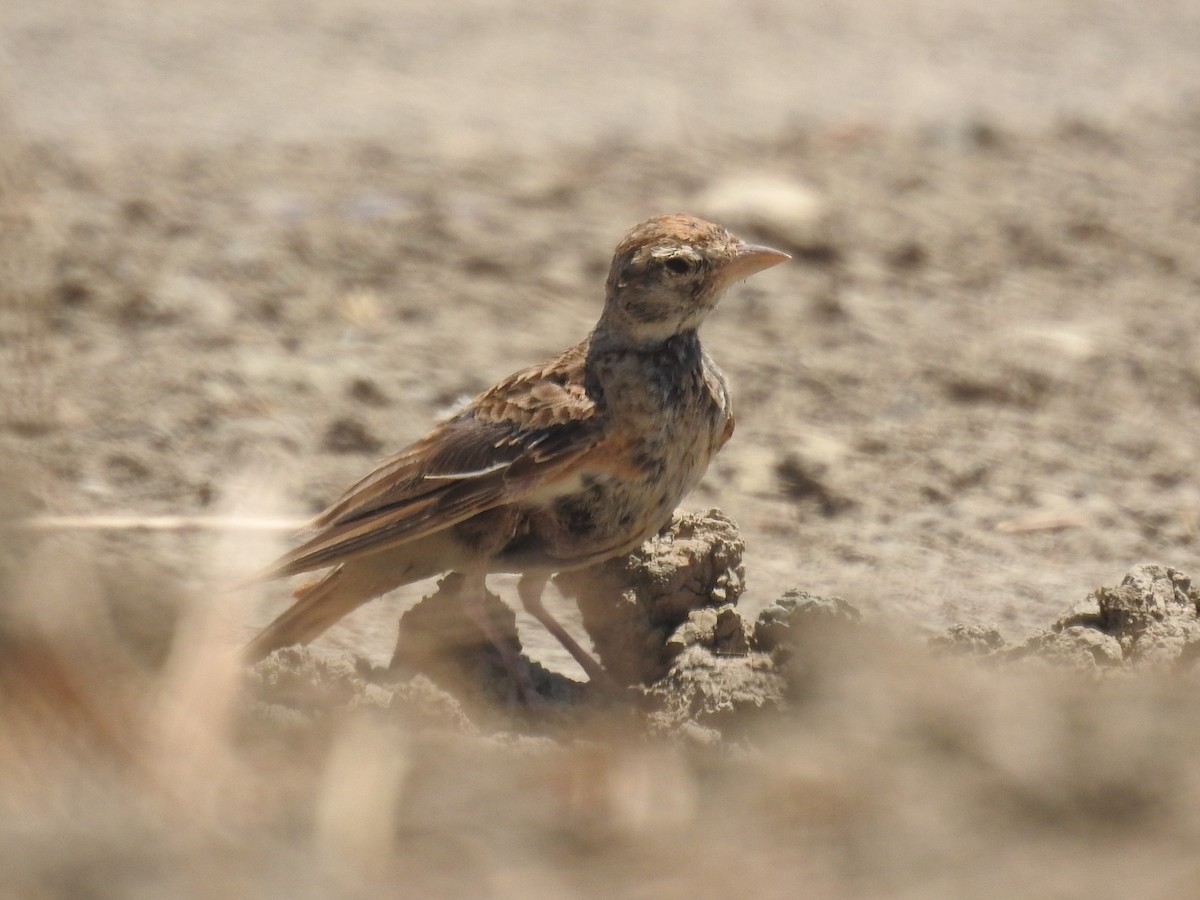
{"points": [[749, 259]]}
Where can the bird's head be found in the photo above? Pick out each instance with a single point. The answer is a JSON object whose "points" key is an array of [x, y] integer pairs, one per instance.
{"points": [[668, 273]]}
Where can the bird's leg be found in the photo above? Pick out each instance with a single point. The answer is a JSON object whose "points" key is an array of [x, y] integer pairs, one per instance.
{"points": [[530, 588], [474, 594]]}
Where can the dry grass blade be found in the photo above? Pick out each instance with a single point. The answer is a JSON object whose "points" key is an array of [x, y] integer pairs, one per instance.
{"points": [[217, 523]]}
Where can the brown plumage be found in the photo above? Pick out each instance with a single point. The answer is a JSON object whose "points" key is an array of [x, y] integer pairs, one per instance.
{"points": [[564, 464]]}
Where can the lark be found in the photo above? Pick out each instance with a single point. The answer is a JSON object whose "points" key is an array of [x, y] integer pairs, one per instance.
{"points": [[562, 465]]}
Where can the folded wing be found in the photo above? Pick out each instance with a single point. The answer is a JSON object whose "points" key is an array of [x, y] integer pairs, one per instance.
{"points": [[519, 437]]}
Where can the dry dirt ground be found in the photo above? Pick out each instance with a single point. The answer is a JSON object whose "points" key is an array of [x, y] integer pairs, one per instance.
{"points": [[249, 248]]}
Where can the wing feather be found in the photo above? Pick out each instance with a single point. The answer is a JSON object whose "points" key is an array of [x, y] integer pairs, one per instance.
{"points": [[517, 438]]}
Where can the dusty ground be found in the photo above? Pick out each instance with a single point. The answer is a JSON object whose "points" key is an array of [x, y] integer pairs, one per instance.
{"points": [[247, 249]]}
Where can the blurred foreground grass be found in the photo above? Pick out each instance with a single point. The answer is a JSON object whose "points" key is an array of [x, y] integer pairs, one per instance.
{"points": [[137, 759]]}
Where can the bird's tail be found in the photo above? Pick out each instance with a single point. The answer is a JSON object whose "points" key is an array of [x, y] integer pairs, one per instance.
{"points": [[318, 606]]}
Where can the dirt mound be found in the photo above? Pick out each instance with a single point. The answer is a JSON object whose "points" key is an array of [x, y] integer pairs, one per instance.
{"points": [[666, 625]]}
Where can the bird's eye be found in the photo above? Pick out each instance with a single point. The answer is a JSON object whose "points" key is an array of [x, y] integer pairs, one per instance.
{"points": [[678, 265]]}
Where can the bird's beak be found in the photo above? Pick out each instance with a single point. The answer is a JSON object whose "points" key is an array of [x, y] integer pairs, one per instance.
{"points": [[749, 259]]}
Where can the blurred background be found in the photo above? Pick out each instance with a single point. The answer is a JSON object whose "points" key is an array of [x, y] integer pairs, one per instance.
{"points": [[247, 249], [496, 76]]}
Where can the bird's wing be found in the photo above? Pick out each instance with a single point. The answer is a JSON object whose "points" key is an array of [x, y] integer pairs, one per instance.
{"points": [[521, 436]]}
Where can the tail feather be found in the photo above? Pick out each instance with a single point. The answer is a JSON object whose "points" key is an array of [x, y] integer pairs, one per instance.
{"points": [[318, 606], [348, 586]]}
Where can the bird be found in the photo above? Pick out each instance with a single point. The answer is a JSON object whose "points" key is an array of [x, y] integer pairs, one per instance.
{"points": [[562, 465]]}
